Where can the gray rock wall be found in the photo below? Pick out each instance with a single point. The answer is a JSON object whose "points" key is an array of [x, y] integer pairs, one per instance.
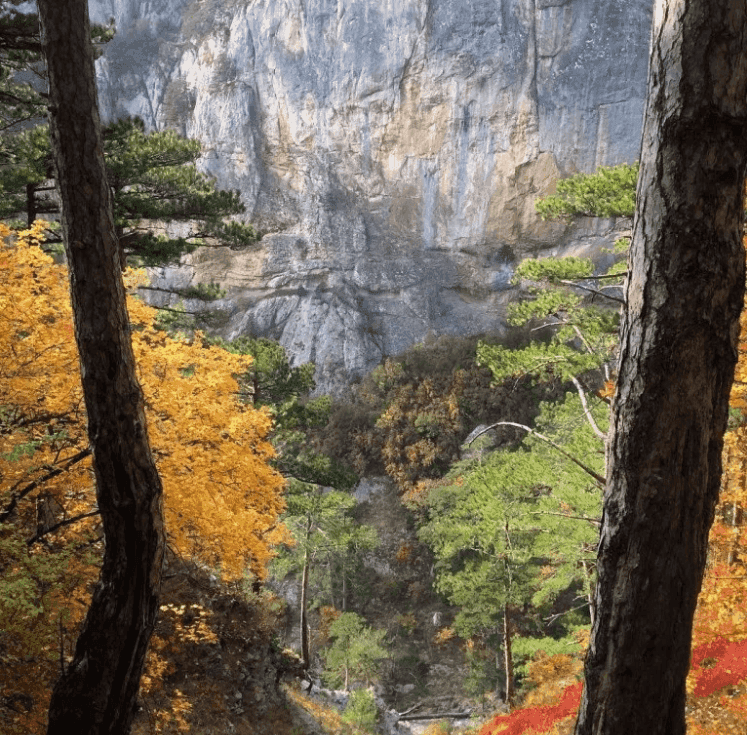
{"points": [[391, 149]]}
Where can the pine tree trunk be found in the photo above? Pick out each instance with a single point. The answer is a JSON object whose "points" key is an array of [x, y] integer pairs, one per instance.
{"points": [[508, 659], [97, 693], [305, 653], [344, 588], [30, 204], [589, 584], [677, 356]]}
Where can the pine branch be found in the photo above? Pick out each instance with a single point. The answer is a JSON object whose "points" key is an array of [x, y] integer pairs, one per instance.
{"points": [[600, 480], [595, 521], [587, 411], [594, 290]]}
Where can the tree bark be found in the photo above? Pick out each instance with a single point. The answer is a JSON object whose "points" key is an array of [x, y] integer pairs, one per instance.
{"points": [[508, 658], [677, 356], [97, 692], [304, 625]]}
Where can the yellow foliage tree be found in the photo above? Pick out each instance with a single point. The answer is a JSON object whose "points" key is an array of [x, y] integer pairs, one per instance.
{"points": [[222, 499]]}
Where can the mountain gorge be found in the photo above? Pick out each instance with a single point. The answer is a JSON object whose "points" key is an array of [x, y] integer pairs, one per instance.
{"points": [[390, 152]]}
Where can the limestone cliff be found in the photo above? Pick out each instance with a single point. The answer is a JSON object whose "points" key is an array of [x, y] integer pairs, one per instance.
{"points": [[390, 149]]}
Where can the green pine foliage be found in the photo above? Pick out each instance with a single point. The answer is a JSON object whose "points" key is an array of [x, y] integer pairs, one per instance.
{"points": [[568, 511], [608, 192], [271, 380], [25, 159], [22, 72], [518, 529], [356, 652], [521, 527], [361, 709], [478, 531], [153, 178], [578, 332], [20, 49], [328, 539], [25, 168], [284, 390], [203, 291]]}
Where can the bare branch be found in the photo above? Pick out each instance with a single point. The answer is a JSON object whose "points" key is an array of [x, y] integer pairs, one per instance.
{"points": [[11, 506], [67, 522], [594, 291], [587, 412], [595, 521], [600, 480]]}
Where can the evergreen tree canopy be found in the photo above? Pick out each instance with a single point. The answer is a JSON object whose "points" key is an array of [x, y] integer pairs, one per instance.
{"points": [[579, 334], [519, 529], [21, 99], [608, 192], [355, 653], [20, 47], [574, 311], [25, 169], [153, 177], [272, 382]]}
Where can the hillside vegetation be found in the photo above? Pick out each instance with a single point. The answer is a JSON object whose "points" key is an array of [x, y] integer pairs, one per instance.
{"points": [[482, 561]]}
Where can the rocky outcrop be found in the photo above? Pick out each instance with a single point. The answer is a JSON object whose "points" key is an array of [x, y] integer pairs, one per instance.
{"points": [[391, 150]]}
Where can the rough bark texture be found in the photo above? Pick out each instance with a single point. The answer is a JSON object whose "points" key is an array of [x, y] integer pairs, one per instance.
{"points": [[97, 693], [677, 355]]}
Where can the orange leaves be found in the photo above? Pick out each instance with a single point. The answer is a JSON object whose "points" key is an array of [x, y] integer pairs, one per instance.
{"points": [[419, 430], [607, 391]]}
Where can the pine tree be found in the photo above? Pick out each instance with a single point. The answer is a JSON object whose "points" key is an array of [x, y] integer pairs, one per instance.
{"points": [[608, 192], [25, 172], [678, 349], [153, 179], [520, 527], [546, 493], [99, 689], [355, 653], [23, 97], [20, 54], [327, 541]]}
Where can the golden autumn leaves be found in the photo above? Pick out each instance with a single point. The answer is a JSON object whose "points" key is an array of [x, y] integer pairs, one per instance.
{"points": [[222, 499]]}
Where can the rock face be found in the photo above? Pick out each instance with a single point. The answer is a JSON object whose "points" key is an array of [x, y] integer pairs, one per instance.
{"points": [[391, 150]]}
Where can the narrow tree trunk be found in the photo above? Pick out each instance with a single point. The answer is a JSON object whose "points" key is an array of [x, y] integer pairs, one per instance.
{"points": [[344, 588], [736, 511], [588, 583], [677, 356], [97, 693], [736, 522], [508, 659], [305, 654], [30, 204]]}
